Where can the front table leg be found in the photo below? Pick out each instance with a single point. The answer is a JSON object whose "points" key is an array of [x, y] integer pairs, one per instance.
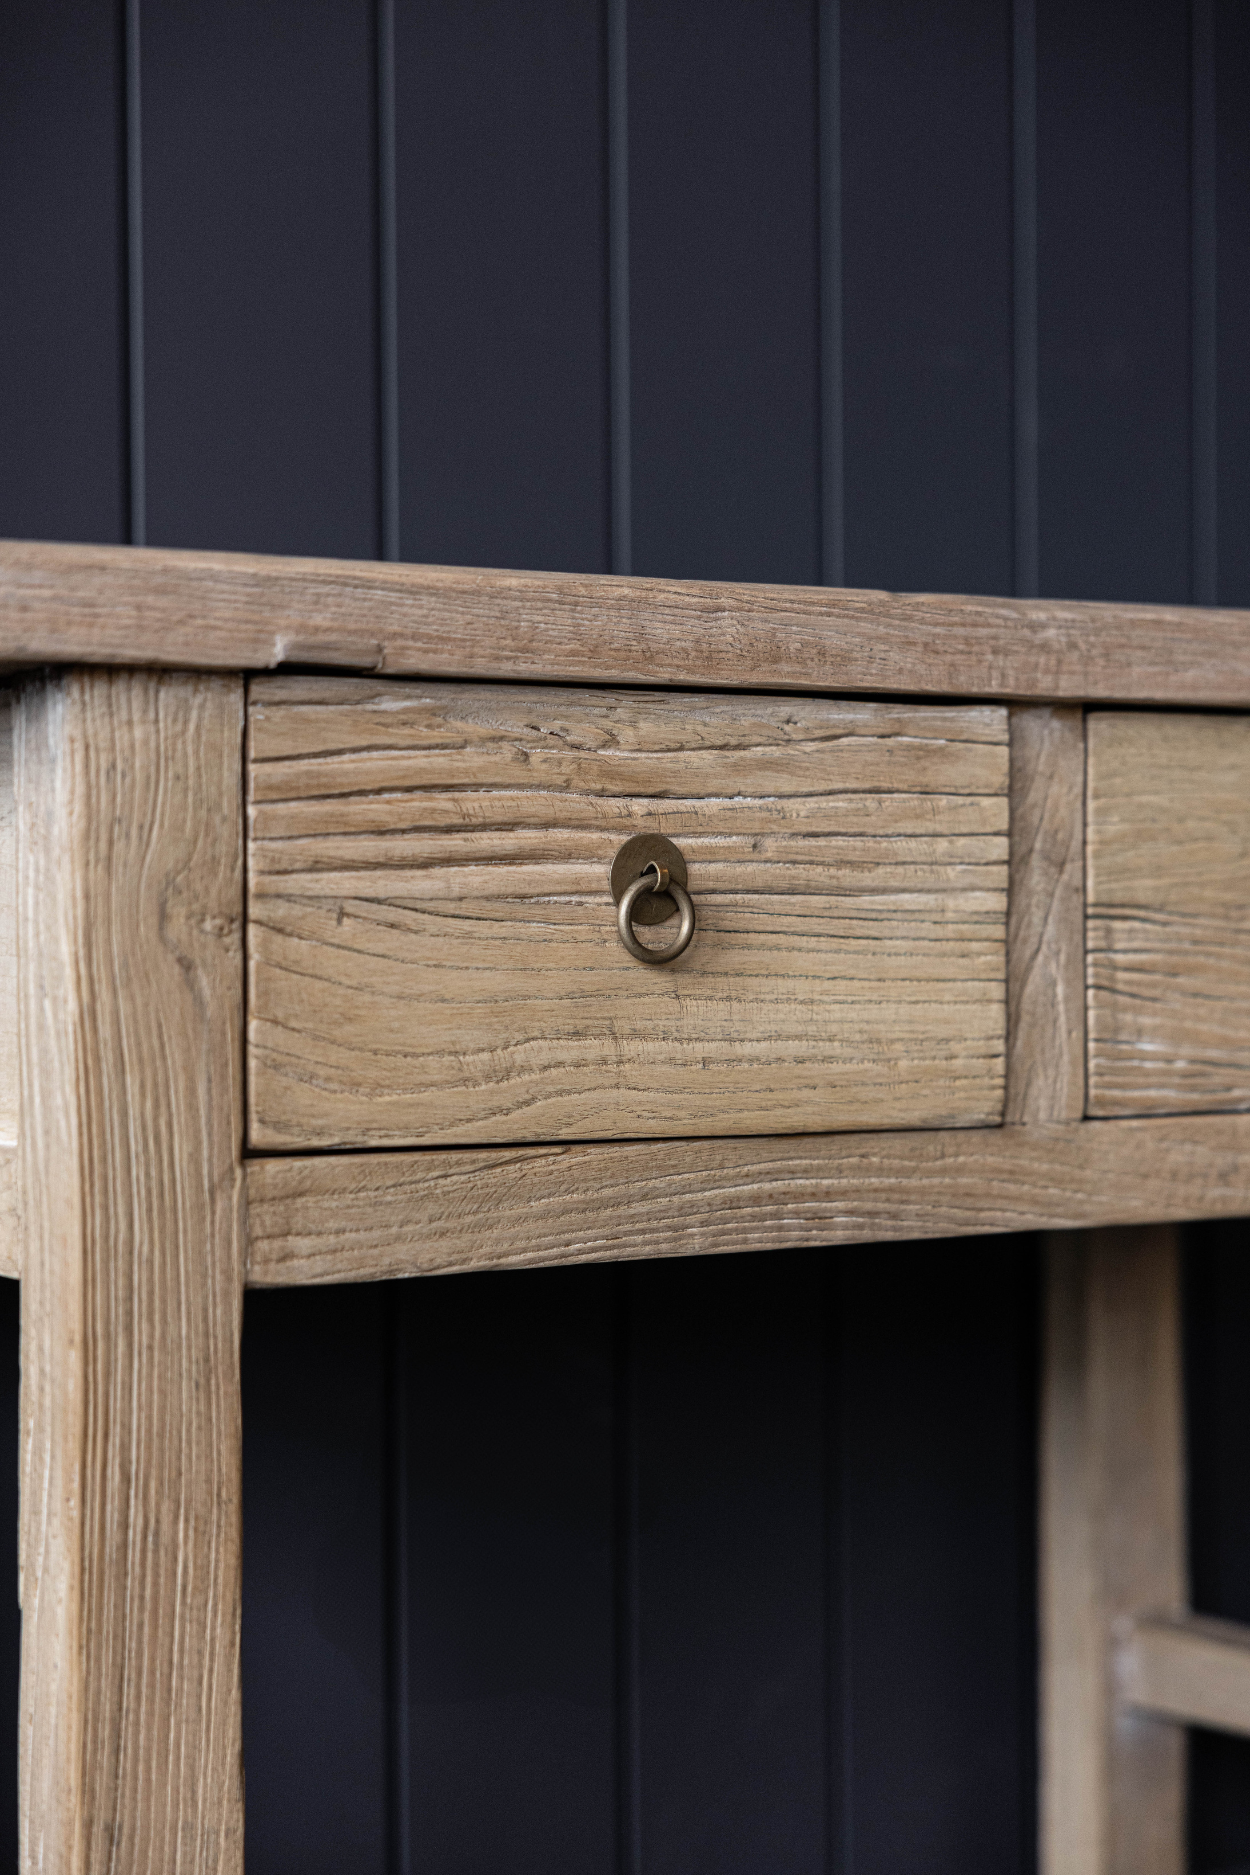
{"points": [[130, 894]]}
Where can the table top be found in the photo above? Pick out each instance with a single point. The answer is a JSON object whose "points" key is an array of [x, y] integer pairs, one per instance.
{"points": [[252, 612]]}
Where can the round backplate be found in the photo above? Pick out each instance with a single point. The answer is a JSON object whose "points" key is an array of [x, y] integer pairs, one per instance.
{"points": [[630, 864]]}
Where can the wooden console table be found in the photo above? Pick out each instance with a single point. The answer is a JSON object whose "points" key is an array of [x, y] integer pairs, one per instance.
{"points": [[316, 976]]}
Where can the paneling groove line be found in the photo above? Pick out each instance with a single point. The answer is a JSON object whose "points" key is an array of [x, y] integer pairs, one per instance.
{"points": [[136, 427], [1204, 317], [1024, 294], [388, 288], [832, 425], [620, 480]]}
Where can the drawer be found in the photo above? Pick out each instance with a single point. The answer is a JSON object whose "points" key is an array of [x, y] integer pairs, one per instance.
{"points": [[433, 946], [1167, 947]]}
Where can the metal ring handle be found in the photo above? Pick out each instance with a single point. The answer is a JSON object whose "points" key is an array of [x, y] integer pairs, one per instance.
{"points": [[655, 880]]}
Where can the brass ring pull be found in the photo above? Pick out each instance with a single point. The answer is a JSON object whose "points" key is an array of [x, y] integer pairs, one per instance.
{"points": [[657, 879]]}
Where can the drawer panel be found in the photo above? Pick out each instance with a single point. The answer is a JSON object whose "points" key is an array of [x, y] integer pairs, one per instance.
{"points": [[433, 953], [1167, 912]]}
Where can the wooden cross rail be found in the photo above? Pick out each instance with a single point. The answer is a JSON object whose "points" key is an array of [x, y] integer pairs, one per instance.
{"points": [[1188, 1668], [1124, 1665], [1083, 883]]}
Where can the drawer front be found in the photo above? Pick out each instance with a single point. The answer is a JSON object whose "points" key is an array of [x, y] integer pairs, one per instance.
{"points": [[1167, 912], [433, 949]]}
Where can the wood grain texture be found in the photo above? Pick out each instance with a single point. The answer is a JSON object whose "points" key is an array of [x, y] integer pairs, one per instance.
{"points": [[348, 1217], [10, 1244], [1046, 918], [130, 905], [1191, 1669], [1112, 1545], [433, 950], [1168, 893], [8, 930], [10, 1223], [157, 606]]}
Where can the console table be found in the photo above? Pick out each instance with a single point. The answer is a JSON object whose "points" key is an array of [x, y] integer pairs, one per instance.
{"points": [[324, 957]]}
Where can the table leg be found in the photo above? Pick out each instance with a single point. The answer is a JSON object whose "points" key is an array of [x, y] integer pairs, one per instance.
{"points": [[130, 983]]}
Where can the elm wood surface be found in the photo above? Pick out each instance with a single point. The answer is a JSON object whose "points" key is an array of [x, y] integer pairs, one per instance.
{"points": [[130, 896], [8, 930], [199, 610], [433, 952], [1046, 918], [1112, 1544], [10, 1226], [1168, 912], [9, 1247], [343, 1217], [1121, 1806], [1191, 1668]]}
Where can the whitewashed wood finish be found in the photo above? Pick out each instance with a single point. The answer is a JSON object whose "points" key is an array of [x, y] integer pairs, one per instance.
{"points": [[1112, 1547], [353, 1217], [10, 1222], [433, 946], [10, 1247], [1169, 913], [238, 611], [8, 930], [1191, 1669], [1046, 918], [10, 1217], [130, 894]]}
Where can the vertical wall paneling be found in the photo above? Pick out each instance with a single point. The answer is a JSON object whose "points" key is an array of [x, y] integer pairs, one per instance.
{"points": [[1204, 583], [396, 1310], [724, 290], [938, 1346], [1217, 1306], [510, 1522], [832, 478], [731, 1564], [503, 282], [927, 273], [1231, 54], [315, 1671], [136, 427], [388, 284], [838, 1333], [1219, 1814], [62, 283], [626, 1575], [1024, 290], [1115, 357], [260, 275], [621, 470]]}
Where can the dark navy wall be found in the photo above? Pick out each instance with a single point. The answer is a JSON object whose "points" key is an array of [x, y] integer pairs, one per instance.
{"points": [[721, 1565], [675, 1566]]}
